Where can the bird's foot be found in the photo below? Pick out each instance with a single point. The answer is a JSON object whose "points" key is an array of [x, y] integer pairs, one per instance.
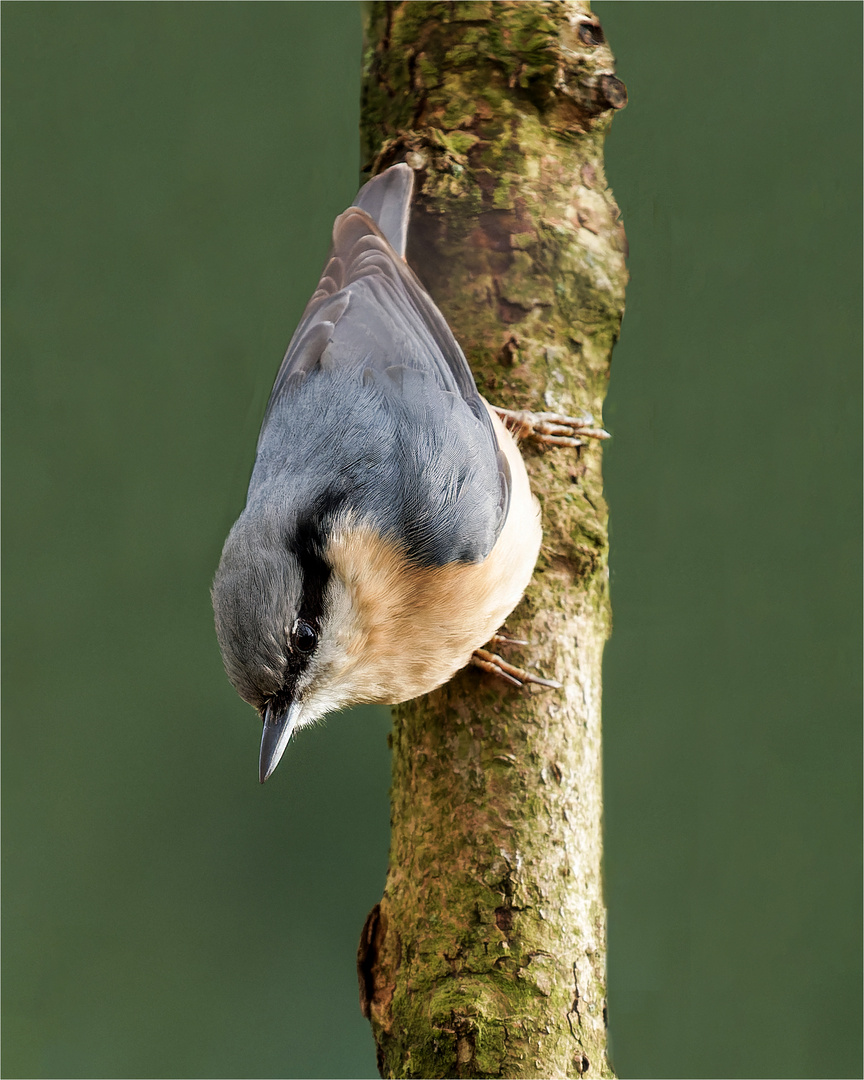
{"points": [[551, 429], [497, 665]]}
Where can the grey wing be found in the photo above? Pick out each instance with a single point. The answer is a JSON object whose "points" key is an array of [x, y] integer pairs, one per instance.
{"points": [[393, 319], [370, 318]]}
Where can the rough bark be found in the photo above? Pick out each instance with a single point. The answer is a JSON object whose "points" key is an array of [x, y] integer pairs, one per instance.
{"points": [[486, 955]]}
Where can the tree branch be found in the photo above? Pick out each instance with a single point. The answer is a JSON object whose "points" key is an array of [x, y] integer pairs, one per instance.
{"points": [[486, 955]]}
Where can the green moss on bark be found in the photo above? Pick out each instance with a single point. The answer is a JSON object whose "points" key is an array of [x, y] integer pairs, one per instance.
{"points": [[486, 955]]}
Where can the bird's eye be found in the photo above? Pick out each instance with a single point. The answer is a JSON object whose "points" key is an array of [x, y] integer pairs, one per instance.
{"points": [[303, 637]]}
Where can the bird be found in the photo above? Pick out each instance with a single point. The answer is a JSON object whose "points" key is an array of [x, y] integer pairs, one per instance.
{"points": [[389, 527]]}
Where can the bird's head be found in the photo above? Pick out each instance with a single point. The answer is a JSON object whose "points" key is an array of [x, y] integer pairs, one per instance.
{"points": [[274, 600]]}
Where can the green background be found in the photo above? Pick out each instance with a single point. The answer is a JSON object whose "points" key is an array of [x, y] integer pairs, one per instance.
{"points": [[171, 172]]}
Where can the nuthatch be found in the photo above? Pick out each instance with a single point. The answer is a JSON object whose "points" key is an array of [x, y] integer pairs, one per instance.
{"points": [[389, 527]]}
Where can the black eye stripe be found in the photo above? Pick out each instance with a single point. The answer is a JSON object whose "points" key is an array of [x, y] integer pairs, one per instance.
{"points": [[308, 547], [306, 544]]}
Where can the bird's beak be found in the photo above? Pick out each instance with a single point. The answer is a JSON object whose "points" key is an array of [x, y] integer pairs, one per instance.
{"points": [[277, 732]]}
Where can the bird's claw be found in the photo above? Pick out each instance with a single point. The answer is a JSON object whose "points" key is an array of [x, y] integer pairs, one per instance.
{"points": [[496, 665], [552, 429], [505, 639]]}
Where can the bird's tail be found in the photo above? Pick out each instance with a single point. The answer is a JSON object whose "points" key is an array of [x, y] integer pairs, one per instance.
{"points": [[387, 200]]}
